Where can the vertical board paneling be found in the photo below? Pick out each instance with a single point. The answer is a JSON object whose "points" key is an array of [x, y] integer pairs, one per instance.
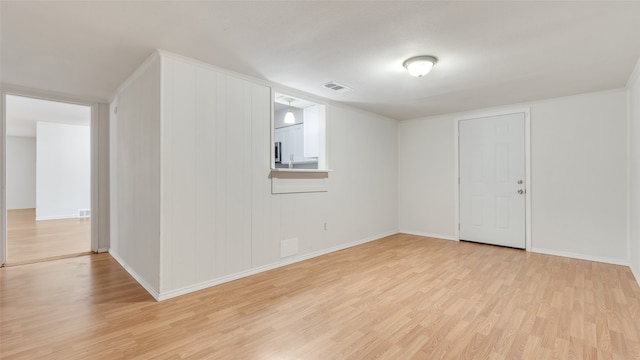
{"points": [[275, 221], [167, 206], [205, 174], [238, 202], [138, 175], [247, 148], [263, 250], [183, 174], [218, 215], [634, 181], [303, 217], [220, 168], [233, 176], [316, 220]]}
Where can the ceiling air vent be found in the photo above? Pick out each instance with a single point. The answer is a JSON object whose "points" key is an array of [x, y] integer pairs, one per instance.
{"points": [[336, 86]]}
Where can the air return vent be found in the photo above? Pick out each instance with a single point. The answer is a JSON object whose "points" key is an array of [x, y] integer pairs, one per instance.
{"points": [[336, 86]]}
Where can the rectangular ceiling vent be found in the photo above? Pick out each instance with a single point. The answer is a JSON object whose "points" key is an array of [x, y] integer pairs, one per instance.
{"points": [[336, 86]]}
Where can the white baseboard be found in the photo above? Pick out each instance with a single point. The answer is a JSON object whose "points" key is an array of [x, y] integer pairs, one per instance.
{"points": [[437, 236], [59, 217], [217, 281], [542, 251], [135, 275], [253, 271], [103, 250], [635, 272], [581, 256]]}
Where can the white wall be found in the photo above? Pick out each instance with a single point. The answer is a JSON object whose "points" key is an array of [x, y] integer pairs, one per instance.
{"points": [[63, 170], [579, 174], [634, 183], [363, 188], [427, 176], [578, 170], [135, 182], [21, 172], [219, 219]]}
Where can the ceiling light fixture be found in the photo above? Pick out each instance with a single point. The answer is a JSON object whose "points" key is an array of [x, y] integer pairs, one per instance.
{"points": [[289, 118], [420, 65]]}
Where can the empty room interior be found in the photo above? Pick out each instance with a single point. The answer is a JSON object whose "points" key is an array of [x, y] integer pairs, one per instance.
{"points": [[48, 178], [322, 180]]}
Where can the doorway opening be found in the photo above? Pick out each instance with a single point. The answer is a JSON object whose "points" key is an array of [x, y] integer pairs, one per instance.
{"points": [[48, 179]]}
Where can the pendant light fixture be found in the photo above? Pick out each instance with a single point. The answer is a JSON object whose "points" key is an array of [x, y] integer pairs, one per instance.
{"points": [[420, 65], [289, 118]]}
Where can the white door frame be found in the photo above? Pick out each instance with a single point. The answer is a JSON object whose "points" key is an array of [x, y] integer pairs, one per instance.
{"points": [[47, 95], [527, 165]]}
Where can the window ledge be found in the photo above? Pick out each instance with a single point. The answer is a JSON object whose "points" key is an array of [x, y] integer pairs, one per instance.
{"points": [[294, 170], [286, 181]]}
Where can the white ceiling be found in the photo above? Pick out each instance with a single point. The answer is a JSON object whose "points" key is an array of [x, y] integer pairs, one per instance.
{"points": [[490, 53], [23, 113]]}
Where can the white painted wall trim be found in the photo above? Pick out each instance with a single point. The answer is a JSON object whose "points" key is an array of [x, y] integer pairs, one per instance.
{"points": [[581, 256], [435, 236], [635, 272], [242, 274], [135, 275], [632, 81], [634, 75], [3, 182], [629, 169], [178, 57], [100, 179], [456, 178], [139, 71], [58, 217], [527, 133], [50, 95]]}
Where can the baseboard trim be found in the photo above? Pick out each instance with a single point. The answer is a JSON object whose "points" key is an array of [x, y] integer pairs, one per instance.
{"points": [[581, 256], [60, 217], [288, 261], [135, 275], [635, 272], [102, 250], [437, 236]]}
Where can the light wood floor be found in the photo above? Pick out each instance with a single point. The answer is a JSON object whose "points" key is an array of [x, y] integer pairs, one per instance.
{"points": [[401, 297], [29, 240]]}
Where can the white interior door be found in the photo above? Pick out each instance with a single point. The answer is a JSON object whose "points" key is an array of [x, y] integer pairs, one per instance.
{"points": [[492, 180]]}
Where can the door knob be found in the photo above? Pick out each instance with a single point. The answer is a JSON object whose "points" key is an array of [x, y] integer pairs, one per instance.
{"points": [[520, 191]]}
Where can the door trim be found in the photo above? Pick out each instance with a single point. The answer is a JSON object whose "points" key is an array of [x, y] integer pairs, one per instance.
{"points": [[527, 164], [96, 217]]}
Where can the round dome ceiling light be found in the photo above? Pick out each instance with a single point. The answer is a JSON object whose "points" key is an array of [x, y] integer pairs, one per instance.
{"points": [[420, 65]]}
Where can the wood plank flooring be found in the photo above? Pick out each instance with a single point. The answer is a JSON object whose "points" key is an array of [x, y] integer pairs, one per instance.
{"points": [[401, 297], [31, 240]]}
